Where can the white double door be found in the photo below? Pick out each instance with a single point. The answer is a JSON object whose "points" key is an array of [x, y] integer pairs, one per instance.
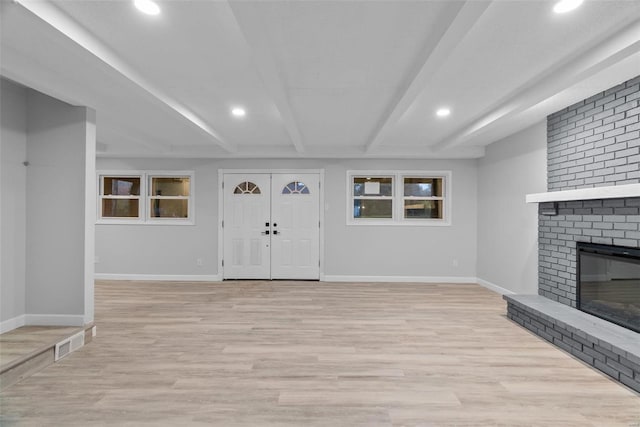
{"points": [[271, 226]]}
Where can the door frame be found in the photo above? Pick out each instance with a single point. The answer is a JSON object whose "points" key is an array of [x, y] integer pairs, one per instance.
{"points": [[222, 172]]}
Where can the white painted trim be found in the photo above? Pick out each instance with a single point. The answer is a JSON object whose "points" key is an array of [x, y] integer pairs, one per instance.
{"points": [[398, 198], [220, 187], [222, 172], [323, 278], [609, 192], [322, 228], [13, 323], [90, 198], [145, 197], [493, 287], [54, 320], [418, 279], [161, 277], [397, 279], [191, 199], [141, 198]]}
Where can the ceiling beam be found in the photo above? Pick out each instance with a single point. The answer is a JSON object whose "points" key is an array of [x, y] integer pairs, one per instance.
{"points": [[580, 66], [53, 16], [254, 35], [435, 55], [287, 152]]}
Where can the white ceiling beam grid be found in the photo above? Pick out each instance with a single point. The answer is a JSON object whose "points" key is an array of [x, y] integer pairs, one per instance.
{"points": [[254, 36], [50, 14], [452, 35], [579, 67]]}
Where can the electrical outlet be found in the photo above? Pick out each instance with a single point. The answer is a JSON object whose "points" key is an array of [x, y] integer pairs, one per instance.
{"points": [[455, 263], [199, 262]]}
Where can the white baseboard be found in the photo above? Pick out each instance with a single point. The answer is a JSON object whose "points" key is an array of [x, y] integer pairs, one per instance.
{"points": [[493, 287], [54, 320], [419, 279], [395, 279], [324, 278], [11, 324], [161, 277]]}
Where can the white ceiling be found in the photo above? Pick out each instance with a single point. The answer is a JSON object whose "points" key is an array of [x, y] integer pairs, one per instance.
{"points": [[317, 78]]}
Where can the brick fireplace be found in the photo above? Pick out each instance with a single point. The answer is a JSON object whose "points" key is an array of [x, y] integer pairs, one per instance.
{"points": [[593, 143], [593, 183]]}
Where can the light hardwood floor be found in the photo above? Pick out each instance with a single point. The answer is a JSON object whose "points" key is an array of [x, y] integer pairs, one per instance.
{"points": [[254, 353], [21, 342]]}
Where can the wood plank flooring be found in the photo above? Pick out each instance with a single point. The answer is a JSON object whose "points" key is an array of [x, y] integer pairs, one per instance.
{"points": [[252, 353], [21, 342]]}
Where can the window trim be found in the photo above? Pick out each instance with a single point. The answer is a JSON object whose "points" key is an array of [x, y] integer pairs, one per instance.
{"points": [[189, 220], [145, 197], [373, 174], [398, 198]]}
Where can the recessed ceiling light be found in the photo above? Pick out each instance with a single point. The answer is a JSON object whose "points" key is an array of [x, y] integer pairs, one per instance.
{"points": [[148, 7], [238, 112], [443, 112], [564, 6]]}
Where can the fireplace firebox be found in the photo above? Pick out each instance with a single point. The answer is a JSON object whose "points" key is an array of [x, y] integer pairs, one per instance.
{"points": [[608, 283]]}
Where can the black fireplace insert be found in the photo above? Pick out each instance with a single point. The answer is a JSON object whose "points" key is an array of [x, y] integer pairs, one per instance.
{"points": [[608, 283]]}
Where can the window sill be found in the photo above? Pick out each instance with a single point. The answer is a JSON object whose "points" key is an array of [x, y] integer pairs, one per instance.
{"points": [[155, 222], [406, 223]]}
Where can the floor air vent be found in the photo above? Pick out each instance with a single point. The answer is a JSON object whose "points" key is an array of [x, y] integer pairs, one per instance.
{"points": [[69, 345]]}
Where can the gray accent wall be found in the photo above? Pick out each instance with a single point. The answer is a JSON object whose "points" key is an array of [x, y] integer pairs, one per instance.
{"points": [[349, 250], [593, 143], [507, 226]]}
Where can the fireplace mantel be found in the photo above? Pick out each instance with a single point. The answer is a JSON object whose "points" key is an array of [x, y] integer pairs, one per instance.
{"points": [[610, 192]]}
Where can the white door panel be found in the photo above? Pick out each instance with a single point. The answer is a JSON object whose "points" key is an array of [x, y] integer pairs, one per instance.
{"points": [[271, 232], [247, 206], [295, 212]]}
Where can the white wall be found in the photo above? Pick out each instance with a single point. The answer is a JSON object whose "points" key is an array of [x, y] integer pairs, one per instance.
{"points": [[349, 250], [507, 226], [46, 256], [13, 181], [58, 144], [402, 250], [163, 249]]}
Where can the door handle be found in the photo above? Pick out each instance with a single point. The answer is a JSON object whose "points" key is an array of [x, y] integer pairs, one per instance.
{"points": [[265, 232]]}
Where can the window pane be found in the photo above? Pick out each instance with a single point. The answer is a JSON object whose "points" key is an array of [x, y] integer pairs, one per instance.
{"points": [[169, 208], [295, 187], [170, 186], [423, 209], [120, 208], [423, 187], [246, 188], [373, 186], [116, 186], [372, 208]]}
